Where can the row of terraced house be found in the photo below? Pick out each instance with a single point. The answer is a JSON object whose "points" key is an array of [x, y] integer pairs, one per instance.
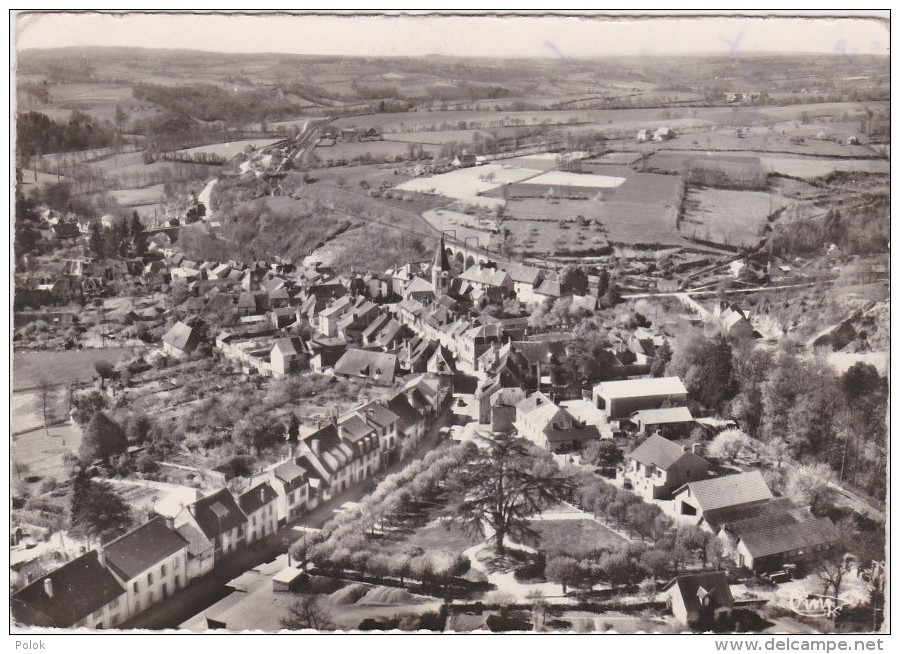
{"points": [[190, 536]]}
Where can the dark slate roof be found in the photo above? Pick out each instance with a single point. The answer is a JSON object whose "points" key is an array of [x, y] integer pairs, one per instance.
{"points": [[693, 587], [540, 351], [292, 474], [523, 274], [131, 554], [256, 498], [657, 451], [79, 588], [775, 539], [400, 406], [377, 413], [365, 363], [355, 428], [217, 514], [181, 337], [729, 490], [732, 514]]}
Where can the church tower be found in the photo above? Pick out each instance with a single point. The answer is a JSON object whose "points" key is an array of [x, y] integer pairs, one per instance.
{"points": [[440, 270]]}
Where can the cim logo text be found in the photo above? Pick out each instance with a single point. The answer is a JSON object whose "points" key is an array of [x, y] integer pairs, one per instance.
{"points": [[814, 606]]}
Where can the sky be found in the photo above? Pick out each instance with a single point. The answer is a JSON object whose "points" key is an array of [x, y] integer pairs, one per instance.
{"points": [[477, 36]]}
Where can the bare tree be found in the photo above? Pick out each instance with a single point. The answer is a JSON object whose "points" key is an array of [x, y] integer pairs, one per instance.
{"points": [[45, 388], [307, 613]]}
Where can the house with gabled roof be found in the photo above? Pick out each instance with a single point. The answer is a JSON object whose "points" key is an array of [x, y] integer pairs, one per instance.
{"points": [[410, 422], [384, 422], [759, 531], [80, 593], [696, 497], [550, 426], [288, 355], [378, 367], [441, 361], [180, 340], [215, 526], [342, 455], [525, 280], [329, 317], [657, 467], [503, 405], [290, 479], [494, 283], [701, 601], [474, 342], [150, 561], [768, 543], [418, 289], [259, 505]]}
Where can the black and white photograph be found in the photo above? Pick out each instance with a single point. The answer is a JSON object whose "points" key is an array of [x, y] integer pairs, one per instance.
{"points": [[458, 322]]}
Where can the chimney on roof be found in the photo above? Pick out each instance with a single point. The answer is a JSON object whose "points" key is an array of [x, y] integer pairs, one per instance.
{"points": [[170, 522], [684, 448], [48, 586], [696, 448], [262, 494], [101, 556]]}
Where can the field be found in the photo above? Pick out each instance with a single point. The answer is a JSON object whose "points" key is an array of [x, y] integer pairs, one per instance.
{"points": [[728, 217], [575, 537], [553, 237], [44, 454], [140, 197], [574, 180], [31, 178], [811, 168], [439, 137], [374, 149], [465, 184], [59, 367], [229, 150]]}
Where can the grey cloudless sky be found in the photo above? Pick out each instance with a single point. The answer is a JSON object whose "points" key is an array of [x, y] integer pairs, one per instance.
{"points": [[478, 36]]}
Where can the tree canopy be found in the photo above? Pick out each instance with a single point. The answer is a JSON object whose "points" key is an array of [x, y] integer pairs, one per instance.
{"points": [[102, 437], [96, 511], [502, 486]]}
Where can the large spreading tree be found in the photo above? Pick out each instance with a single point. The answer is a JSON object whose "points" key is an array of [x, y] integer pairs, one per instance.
{"points": [[96, 511], [503, 486]]}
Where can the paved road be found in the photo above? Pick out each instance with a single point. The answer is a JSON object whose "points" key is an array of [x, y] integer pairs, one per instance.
{"points": [[207, 590]]}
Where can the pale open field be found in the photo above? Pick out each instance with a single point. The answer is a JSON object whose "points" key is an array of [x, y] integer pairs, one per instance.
{"points": [[560, 178], [229, 150], [466, 183]]}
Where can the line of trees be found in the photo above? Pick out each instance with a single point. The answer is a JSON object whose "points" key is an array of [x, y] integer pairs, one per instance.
{"points": [[406, 498]]}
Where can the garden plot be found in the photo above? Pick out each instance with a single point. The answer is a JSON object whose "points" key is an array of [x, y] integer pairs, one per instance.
{"points": [[729, 217], [467, 183]]}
